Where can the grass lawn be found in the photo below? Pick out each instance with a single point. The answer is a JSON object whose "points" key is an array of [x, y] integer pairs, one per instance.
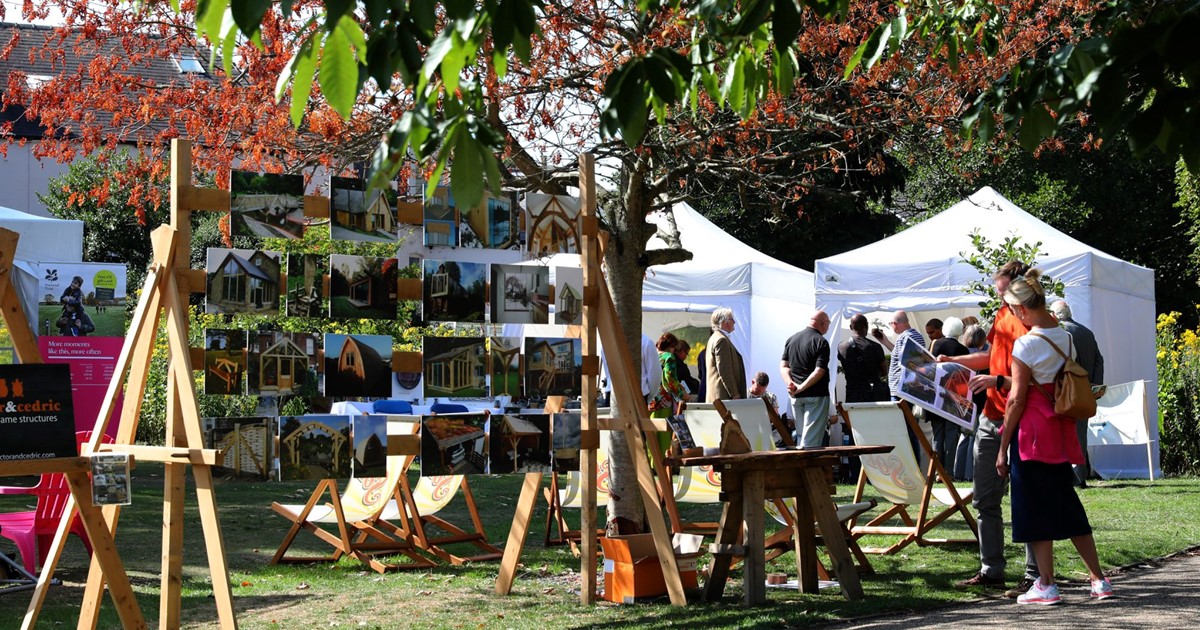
{"points": [[341, 307], [1133, 520], [110, 323]]}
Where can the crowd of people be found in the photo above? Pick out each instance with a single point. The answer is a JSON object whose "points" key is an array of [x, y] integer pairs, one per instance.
{"points": [[1022, 351]]}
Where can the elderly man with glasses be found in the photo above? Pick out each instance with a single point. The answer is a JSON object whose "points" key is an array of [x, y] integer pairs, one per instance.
{"points": [[904, 334]]}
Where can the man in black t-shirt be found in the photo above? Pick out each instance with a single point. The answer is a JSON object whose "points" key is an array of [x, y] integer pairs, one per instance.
{"points": [[805, 369], [863, 364]]}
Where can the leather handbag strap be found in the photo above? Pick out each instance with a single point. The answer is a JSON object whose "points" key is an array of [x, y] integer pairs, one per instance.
{"points": [[1070, 342]]}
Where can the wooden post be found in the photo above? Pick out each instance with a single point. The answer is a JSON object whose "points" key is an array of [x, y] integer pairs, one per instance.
{"points": [[592, 277], [10, 302]]}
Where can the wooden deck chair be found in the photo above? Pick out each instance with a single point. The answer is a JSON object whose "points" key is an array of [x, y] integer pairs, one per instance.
{"points": [[702, 484], [570, 496], [363, 517], [429, 497], [899, 479]]}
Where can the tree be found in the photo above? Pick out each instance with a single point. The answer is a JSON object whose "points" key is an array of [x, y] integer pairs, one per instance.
{"points": [[649, 91]]}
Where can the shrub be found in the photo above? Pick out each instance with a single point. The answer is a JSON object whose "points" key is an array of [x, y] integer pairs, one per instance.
{"points": [[1178, 352]]}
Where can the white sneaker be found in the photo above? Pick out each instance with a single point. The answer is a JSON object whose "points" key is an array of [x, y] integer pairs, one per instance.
{"points": [[1043, 595], [1102, 589]]}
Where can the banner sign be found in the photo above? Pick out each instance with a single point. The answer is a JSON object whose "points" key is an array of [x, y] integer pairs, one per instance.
{"points": [[92, 361], [36, 412]]}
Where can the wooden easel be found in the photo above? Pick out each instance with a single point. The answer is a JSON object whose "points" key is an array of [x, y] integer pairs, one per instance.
{"points": [[599, 316], [104, 551], [165, 293]]}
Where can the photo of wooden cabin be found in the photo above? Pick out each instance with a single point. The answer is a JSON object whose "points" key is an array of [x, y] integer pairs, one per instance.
{"points": [[493, 224], [224, 362], [266, 205], [314, 447], [454, 367], [553, 366], [362, 287], [568, 296], [358, 365], [242, 281], [358, 218], [306, 285], [249, 445], [454, 445], [553, 224], [520, 294], [454, 291], [519, 444], [369, 436], [283, 364]]}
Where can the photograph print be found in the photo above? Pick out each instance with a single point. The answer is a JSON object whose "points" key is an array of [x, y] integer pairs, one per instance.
{"points": [[519, 444], [358, 365], [520, 294], [568, 296], [441, 219], [565, 435], [266, 205], [362, 287], [313, 447], [81, 299], [224, 362], [553, 366], [454, 367], [242, 281], [306, 285], [504, 361], [939, 388], [553, 224], [454, 291], [454, 445], [357, 217], [249, 445], [283, 364], [493, 224], [369, 436]]}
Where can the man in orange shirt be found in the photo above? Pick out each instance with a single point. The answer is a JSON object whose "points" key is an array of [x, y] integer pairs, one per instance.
{"points": [[989, 486]]}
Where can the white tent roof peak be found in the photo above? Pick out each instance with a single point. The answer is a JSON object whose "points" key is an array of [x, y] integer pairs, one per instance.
{"points": [[704, 239]]}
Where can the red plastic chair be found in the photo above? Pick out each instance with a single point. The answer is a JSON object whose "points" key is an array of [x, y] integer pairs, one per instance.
{"points": [[33, 531]]}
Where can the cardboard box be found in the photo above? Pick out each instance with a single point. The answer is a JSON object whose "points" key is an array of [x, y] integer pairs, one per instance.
{"points": [[632, 570]]}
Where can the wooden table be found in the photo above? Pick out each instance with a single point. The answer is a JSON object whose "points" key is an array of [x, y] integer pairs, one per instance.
{"points": [[750, 478]]}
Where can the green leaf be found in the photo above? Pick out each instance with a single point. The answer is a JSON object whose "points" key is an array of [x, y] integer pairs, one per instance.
{"points": [[335, 10], [358, 40], [248, 14], [377, 11], [500, 63], [878, 42], [855, 59], [302, 80], [1036, 125], [339, 73], [785, 23], [785, 72], [495, 180], [466, 172], [453, 62], [734, 89], [424, 15], [661, 79]]}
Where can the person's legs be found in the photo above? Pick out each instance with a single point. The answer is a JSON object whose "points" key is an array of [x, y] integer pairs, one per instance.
{"points": [[964, 460], [1082, 472], [989, 492], [812, 417], [1043, 551], [1086, 546]]}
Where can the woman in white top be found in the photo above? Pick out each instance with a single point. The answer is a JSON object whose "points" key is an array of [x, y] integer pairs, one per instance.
{"points": [[1045, 507]]}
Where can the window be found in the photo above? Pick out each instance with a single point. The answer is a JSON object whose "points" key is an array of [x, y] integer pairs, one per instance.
{"points": [[190, 65]]}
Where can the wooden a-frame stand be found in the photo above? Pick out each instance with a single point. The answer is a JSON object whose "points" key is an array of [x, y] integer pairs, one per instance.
{"points": [[599, 316], [169, 281]]}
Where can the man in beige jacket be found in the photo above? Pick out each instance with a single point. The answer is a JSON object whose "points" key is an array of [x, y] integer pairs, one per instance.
{"points": [[724, 371]]}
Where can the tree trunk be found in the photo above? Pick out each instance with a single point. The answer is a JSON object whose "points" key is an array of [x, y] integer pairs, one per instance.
{"points": [[625, 261]]}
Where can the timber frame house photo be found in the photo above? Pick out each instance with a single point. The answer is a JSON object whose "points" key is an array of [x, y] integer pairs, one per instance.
{"points": [[441, 219], [242, 281], [248, 443], [553, 366], [454, 291], [455, 367], [454, 444], [283, 364], [369, 435], [224, 362], [358, 365], [504, 360], [568, 296], [362, 287], [355, 218], [553, 224], [314, 447]]}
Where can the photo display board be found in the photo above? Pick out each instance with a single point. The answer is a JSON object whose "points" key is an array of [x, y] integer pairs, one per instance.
{"points": [[358, 365], [455, 367], [355, 216], [249, 445], [224, 362], [362, 287], [36, 412]]}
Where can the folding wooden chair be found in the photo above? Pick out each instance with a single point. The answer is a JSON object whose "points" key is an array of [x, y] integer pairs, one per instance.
{"points": [[898, 478], [362, 516], [429, 497], [560, 498]]}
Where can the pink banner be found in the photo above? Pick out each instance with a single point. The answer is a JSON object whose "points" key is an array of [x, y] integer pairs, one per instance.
{"points": [[92, 361]]}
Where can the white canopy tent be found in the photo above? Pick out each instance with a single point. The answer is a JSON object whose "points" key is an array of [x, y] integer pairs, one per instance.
{"points": [[42, 240], [771, 300], [921, 269]]}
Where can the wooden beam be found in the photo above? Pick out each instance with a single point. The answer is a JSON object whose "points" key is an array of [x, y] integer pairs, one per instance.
{"points": [[194, 199], [516, 534], [407, 362], [316, 206], [408, 289], [403, 445], [410, 212], [168, 454], [589, 425]]}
